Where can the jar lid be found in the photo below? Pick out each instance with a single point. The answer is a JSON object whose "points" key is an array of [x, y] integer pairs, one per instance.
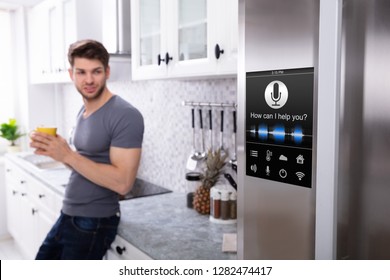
{"points": [[193, 176], [225, 195]]}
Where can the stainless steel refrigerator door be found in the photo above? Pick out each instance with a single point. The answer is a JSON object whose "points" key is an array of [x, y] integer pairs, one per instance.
{"points": [[276, 220], [364, 174]]}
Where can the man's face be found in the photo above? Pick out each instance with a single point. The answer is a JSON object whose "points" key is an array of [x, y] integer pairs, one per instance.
{"points": [[89, 77]]}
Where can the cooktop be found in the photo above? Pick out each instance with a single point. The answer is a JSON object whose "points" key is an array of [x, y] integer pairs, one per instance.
{"points": [[143, 188]]}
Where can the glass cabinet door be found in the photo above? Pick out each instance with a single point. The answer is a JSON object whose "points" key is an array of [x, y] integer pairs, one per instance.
{"points": [[150, 31], [192, 29], [55, 43]]}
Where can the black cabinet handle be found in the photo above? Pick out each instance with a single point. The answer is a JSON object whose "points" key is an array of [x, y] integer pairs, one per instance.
{"points": [[33, 211], [41, 195], [120, 250], [159, 59], [166, 59], [218, 51]]}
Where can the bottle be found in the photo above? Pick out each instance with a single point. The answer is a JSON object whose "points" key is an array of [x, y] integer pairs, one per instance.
{"points": [[225, 205], [233, 205], [212, 193], [217, 204], [193, 181]]}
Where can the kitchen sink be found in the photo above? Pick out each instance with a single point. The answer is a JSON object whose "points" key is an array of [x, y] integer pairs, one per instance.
{"points": [[143, 188]]}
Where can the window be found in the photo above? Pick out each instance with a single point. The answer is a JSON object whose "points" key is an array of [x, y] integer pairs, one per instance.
{"points": [[6, 68]]}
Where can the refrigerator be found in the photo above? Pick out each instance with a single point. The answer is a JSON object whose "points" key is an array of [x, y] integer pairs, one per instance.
{"points": [[313, 140]]}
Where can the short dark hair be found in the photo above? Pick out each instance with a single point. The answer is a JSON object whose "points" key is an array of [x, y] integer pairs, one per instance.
{"points": [[89, 49]]}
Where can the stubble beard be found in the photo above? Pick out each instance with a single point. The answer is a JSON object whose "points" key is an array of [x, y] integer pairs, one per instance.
{"points": [[95, 96]]}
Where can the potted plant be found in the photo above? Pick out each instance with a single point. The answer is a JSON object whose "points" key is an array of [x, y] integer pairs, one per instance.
{"points": [[10, 131]]}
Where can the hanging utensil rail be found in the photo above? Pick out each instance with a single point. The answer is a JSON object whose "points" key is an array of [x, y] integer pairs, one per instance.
{"points": [[208, 104]]}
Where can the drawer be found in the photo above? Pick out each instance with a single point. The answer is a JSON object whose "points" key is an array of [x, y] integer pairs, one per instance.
{"points": [[123, 250], [14, 174], [42, 195]]}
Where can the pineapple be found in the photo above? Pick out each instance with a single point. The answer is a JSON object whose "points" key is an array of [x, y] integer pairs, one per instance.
{"points": [[215, 163]]}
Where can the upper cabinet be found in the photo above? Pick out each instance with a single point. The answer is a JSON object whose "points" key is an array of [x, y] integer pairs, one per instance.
{"points": [[184, 38], [116, 27], [53, 26]]}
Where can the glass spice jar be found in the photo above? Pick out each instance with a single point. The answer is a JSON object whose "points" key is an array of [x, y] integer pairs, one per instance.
{"points": [[193, 181], [225, 205], [217, 204], [233, 205]]}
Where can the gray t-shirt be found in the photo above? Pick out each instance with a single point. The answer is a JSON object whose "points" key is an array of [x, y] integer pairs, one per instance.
{"points": [[115, 124]]}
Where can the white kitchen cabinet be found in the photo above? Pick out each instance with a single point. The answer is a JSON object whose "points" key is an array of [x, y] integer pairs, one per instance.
{"points": [[116, 27], [32, 209], [123, 250], [54, 25], [184, 38], [19, 219], [14, 193]]}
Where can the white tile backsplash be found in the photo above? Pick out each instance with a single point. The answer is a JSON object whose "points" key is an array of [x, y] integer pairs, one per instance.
{"points": [[168, 133]]}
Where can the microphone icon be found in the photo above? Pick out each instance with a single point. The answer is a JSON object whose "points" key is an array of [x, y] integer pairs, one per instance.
{"points": [[276, 95]]}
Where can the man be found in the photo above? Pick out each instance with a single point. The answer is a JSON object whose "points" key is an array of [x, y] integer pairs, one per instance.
{"points": [[108, 139]]}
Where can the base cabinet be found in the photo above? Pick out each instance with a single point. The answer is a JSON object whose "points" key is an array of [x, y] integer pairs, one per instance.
{"points": [[32, 209], [123, 250]]}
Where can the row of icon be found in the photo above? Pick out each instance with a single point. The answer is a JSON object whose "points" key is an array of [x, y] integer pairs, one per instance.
{"points": [[282, 172], [253, 153]]}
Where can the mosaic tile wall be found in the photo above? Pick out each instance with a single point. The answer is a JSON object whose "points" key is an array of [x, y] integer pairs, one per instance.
{"points": [[168, 132]]}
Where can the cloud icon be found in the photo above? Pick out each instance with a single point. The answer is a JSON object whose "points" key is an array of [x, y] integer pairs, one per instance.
{"points": [[283, 158]]}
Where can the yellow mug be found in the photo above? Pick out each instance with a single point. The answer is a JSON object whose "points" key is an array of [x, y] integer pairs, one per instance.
{"points": [[47, 130]]}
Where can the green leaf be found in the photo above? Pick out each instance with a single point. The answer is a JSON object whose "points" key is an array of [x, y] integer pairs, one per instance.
{"points": [[10, 131]]}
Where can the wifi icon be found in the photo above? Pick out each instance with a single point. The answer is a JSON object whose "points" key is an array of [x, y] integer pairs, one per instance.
{"points": [[300, 175]]}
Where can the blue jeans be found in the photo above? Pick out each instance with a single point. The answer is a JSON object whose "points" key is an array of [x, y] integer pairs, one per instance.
{"points": [[79, 238]]}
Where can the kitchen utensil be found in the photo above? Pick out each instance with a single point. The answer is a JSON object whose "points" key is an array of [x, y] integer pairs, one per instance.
{"points": [[221, 135], [230, 180], [233, 160], [211, 130], [202, 154], [192, 159]]}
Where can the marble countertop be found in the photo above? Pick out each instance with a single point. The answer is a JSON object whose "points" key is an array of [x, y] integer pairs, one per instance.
{"points": [[164, 228], [161, 226]]}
